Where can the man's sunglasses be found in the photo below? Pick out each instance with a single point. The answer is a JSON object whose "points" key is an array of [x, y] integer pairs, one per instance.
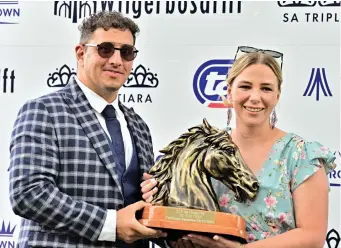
{"points": [[107, 49], [248, 49]]}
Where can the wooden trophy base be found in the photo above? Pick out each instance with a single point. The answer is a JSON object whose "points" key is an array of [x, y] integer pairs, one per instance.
{"points": [[178, 222]]}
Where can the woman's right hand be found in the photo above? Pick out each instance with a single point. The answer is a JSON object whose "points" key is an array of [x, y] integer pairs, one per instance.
{"points": [[148, 187]]}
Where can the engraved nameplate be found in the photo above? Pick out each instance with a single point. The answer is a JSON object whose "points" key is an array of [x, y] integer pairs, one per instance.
{"points": [[189, 215]]}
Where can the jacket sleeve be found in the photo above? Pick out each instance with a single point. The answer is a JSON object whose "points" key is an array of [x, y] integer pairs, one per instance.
{"points": [[33, 171]]}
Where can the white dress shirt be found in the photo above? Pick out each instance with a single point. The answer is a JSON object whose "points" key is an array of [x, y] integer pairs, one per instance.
{"points": [[108, 232]]}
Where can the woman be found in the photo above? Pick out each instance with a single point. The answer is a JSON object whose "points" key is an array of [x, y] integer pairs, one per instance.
{"points": [[291, 208]]}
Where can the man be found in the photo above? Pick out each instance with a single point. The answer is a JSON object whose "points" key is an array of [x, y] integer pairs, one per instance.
{"points": [[78, 154]]}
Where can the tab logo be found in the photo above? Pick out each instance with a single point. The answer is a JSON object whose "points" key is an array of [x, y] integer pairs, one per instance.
{"points": [[209, 82], [317, 83]]}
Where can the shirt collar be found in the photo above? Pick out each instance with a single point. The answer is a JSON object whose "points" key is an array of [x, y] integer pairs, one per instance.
{"points": [[96, 101]]}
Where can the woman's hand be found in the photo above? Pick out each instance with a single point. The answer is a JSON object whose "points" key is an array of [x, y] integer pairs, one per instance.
{"points": [[148, 187], [216, 242]]}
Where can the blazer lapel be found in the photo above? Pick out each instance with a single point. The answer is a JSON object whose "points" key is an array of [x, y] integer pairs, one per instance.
{"points": [[86, 117], [141, 149]]}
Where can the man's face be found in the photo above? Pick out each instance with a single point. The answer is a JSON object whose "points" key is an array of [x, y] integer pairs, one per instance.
{"points": [[105, 76]]}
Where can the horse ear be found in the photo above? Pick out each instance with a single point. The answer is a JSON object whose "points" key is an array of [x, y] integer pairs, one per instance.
{"points": [[227, 134], [206, 124]]}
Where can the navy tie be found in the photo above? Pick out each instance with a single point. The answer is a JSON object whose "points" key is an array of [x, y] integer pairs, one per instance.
{"points": [[114, 128]]}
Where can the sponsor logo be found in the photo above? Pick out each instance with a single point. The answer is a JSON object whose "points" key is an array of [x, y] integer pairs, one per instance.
{"points": [[6, 235], [333, 239], [141, 78], [310, 11], [335, 175], [9, 12], [60, 77], [209, 82], [158, 157], [7, 80], [76, 10], [318, 83]]}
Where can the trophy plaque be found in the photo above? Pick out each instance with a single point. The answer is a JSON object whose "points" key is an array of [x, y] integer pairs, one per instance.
{"points": [[186, 202]]}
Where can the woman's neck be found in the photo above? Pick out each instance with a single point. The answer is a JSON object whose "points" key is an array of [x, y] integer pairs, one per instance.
{"points": [[247, 136]]}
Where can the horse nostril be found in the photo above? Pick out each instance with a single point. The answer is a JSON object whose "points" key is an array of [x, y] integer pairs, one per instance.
{"points": [[255, 186]]}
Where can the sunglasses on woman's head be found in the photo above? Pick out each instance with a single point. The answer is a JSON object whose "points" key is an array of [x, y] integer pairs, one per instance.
{"points": [[248, 49], [107, 49]]}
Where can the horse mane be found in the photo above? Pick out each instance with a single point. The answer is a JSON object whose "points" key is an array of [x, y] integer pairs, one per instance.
{"points": [[163, 169]]}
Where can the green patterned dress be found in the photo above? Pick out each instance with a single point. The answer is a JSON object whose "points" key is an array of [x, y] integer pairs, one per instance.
{"points": [[290, 162]]}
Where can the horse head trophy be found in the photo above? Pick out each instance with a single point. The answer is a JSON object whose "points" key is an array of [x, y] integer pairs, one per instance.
{"points": [[186, 200]]}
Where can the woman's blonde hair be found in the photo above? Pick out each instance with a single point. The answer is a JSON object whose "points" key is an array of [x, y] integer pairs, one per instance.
{"points": [[248, 59]]}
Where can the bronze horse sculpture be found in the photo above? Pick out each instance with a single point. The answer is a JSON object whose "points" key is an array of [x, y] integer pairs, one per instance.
{"points": [[183, 172]]}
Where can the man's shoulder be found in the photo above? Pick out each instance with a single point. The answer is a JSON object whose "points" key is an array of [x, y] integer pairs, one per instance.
{"points": [[52, 97], [47, 103]]}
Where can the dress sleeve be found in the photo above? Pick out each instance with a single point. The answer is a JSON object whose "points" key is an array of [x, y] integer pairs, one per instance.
{"points": [[306, 158]]}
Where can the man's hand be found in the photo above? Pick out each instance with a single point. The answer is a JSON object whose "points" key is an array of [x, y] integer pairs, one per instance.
{"points": [[129, 229], [183, 243], [148, 187]]}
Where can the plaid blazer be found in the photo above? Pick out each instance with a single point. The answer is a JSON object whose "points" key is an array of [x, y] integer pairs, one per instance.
{"points": [[62, 171]]}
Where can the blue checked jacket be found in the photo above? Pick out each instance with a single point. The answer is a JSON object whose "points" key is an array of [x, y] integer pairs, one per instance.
{"points": [[62, 171]]}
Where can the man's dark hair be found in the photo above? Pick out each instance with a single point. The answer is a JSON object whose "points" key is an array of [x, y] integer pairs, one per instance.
{"points": [[106, 20]]}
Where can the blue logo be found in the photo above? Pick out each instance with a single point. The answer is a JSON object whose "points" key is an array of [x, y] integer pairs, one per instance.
{"points": [[158, 157], [317, 83], [6, 235], [209, 82], [9, 12], [7, 231], [335, 175]]}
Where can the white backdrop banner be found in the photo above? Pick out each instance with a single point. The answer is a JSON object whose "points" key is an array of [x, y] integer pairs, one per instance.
{"points": [[181, 42]]}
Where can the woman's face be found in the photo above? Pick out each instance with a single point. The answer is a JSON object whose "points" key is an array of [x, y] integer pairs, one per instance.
{"points": [[254, 93]]}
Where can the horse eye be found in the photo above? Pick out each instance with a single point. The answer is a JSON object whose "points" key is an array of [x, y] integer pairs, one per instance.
{"points": [[231, 151]]}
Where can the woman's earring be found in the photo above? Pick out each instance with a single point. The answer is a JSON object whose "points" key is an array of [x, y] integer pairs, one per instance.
{"points": [[229, 110], [229, 116], [273, 119]]}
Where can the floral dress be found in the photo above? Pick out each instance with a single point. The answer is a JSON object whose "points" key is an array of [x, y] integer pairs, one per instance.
{"points": [[290, 162]]}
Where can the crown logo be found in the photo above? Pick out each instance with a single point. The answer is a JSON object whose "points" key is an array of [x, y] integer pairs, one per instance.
{"points": [[60, 77], [141, 78], [7, 231], [333, 239], [330, 3], [296, 3]]}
